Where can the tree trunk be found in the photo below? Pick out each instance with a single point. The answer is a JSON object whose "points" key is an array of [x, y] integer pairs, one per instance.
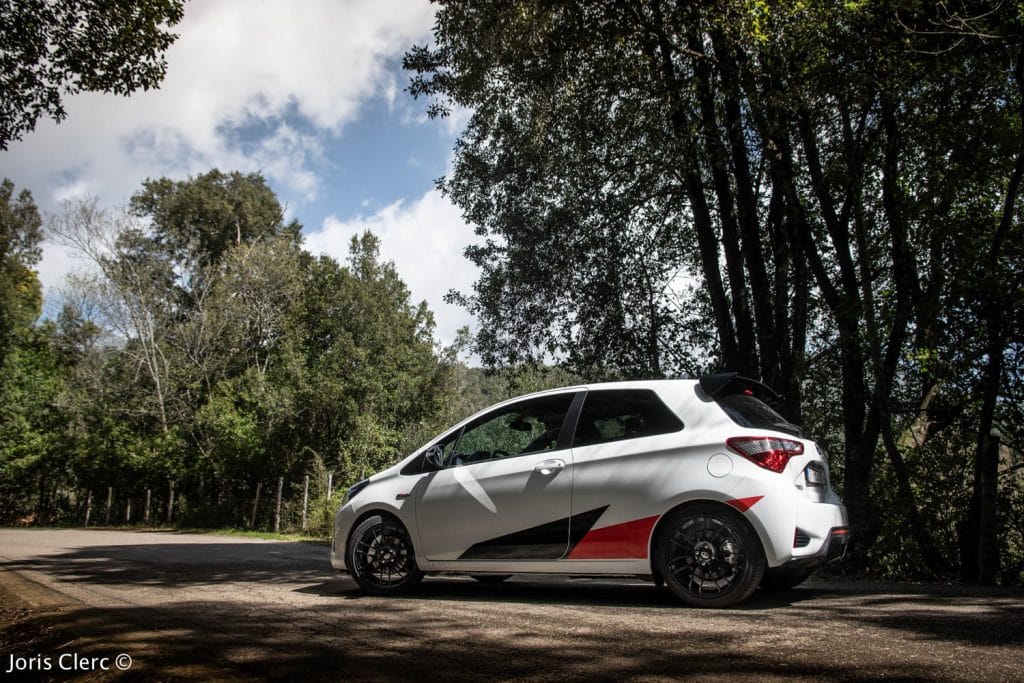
{"points": [[88, 508], [145, 516], [934, 561], [988, 521], [860, 427], [747, 363], [769, 332], [170, 500], [110, 501], [657, 46]]}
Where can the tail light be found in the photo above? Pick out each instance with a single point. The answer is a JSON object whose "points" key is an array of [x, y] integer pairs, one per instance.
{"points": [[769, 452]]}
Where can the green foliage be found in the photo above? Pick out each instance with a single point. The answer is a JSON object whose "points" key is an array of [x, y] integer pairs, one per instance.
{"points": [[20, 235], [211, 353], [51, 49], [196, 220], [371, 374], [31, 460], [30, 372]]}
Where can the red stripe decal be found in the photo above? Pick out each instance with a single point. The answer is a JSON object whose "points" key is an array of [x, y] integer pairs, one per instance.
{"points": [[744, 504], [624, 541]]}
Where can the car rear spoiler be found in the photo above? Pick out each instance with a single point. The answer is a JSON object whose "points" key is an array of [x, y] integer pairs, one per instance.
{"points": [[731, 382]]}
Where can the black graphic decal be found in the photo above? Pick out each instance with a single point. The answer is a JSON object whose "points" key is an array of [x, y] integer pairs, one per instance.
{"points": [[550, 541]]}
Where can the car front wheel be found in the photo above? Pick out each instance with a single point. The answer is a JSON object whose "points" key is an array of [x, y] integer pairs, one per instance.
{"points": [[381, 557], [709, 556]]}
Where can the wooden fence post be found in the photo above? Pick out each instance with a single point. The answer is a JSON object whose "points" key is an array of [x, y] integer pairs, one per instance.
{"points": [[305, 503], [170, 500], [255, 504]]}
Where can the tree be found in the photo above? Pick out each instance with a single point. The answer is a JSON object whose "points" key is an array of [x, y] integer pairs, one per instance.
{"points": [[32, 464], [132, 290], [52, 49], [20, 235], [236, 358], [371, 383], [195, 220]]}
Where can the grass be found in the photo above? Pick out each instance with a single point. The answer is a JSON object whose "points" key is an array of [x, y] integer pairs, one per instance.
{"points": [[223, 531], [266, 535]]}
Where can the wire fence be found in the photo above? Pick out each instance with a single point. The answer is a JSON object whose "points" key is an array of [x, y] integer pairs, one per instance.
{"points": [[306, 506]]}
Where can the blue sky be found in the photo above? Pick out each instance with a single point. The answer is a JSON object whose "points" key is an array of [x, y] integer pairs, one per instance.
{"points": [[310, 94]]}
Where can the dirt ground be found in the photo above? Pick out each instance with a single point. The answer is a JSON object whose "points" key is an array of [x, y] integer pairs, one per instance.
{"points": [[109, 605]]}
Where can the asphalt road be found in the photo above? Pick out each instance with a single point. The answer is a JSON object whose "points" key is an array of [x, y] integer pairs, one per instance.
{"points": [[208, 607]]}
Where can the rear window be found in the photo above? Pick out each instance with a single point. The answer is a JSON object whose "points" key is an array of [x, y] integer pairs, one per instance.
{"points": [[616, 414], [749, 411]]}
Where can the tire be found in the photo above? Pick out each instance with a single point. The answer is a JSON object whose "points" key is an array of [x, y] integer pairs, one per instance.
{"points": [[380, 557], [491, 578], [784, 580], [709, 556]]}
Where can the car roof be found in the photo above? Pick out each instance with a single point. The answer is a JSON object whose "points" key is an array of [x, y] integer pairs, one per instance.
{"points": [[594, 386]]}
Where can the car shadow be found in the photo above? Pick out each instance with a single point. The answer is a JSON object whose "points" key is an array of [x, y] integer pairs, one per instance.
{"points": [[553, 590], [963, 614]]}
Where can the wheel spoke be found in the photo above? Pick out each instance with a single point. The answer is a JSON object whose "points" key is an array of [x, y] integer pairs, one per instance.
{"points": [[705, 555], [382, 556]]}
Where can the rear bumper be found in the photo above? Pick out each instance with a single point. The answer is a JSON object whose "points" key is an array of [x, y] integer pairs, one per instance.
{"points": [[838, 541], [833, 548]]}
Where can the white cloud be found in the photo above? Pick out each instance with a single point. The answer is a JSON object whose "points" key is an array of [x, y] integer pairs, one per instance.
{"points": [[292, 75], [56, 263], [237, 62], [425, 239]]}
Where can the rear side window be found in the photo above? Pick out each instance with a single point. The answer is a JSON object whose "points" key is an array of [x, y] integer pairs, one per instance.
{"points": [[750, 411], [616, 414]]}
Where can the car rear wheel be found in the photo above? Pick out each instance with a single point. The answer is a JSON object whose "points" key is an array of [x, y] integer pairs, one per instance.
{"points": [[709, 556], [381, 557]]}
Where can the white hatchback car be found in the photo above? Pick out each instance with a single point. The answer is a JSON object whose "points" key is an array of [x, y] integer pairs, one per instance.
{"points": [[694, 483]]}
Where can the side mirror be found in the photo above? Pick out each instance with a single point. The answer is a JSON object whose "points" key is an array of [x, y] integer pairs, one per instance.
{"points": [[435, 456]]}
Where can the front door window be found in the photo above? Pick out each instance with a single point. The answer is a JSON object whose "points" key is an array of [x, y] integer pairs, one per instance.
{"points": [[519, 429]]}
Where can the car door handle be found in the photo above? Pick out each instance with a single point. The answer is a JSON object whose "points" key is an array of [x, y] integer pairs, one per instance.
{"points": [[550, 467]]}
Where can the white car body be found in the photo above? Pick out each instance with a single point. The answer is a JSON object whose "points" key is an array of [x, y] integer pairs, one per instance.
{"points": [[595, 509]]}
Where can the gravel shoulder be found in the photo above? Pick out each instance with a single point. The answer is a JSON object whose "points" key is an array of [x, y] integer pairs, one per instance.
{"points": [[193, 606]]}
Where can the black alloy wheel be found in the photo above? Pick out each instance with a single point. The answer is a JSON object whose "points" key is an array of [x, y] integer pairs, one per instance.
{"points": [[709, 556], [380, 557]]}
